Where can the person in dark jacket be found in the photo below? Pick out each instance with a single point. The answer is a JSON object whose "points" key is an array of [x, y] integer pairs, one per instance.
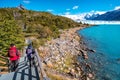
{"points": [[30, 54]]}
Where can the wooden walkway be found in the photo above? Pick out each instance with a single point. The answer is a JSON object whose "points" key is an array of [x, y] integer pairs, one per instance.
{"points": [[24, 72]]}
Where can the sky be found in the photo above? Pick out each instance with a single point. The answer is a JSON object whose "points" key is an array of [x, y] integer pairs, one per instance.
{"points": [[64, 7]]}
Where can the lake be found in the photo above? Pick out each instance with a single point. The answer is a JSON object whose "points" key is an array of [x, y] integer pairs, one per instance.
{"points": [[105, 39]]}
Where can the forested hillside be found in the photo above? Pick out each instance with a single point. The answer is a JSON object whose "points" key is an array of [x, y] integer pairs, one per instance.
{"points": [[15, 24], [10, 32]]}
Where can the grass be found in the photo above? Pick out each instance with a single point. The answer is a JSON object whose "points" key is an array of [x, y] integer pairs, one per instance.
{"points": [[55, 77]]}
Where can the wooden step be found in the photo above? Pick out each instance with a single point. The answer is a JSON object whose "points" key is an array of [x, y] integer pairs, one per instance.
{"points": [[3, 72], [2, 62], [3, 57], [3, 67]]}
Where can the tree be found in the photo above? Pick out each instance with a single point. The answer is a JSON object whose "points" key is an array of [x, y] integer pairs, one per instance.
{"points": [[10, 32]]}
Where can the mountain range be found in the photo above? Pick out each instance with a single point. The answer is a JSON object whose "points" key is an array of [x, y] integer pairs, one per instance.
{"points": [[113, 15], [83, 16], [108, 16]]}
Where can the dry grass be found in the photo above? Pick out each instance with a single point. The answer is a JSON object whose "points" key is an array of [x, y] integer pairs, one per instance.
{"points": [[54, 76]]}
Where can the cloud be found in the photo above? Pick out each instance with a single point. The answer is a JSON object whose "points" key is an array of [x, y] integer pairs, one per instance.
{"points": [[75, 17], [97, 12], [81, 16], [75, 7], [117, 7], [50, 10], [100, 12], [67, 13], [26, 1]]}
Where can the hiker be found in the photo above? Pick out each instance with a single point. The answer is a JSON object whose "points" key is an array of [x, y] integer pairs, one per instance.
{"points": [[30, 54], [14, 56]]}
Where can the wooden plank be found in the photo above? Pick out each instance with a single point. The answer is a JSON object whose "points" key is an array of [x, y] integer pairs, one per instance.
{"points": [[24, 72], [2, 62], [3, 57], [3, 73], [3, 67], [42, 73]]}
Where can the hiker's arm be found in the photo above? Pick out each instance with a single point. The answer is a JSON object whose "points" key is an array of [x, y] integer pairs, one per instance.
{"points": [[33, 51], [26, 51], [19, 53]]}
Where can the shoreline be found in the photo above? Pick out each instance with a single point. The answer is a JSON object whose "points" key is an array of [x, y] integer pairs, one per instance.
{"points": [[61, 56]]}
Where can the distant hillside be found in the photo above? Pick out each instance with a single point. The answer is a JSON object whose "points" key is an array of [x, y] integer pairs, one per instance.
{"points": [[31, 20], [42, 25], [109, 16]]}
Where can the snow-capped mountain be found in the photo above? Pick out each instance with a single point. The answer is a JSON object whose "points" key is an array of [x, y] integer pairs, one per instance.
{"points": [[109, 16], [84, 16], [91, 16]]}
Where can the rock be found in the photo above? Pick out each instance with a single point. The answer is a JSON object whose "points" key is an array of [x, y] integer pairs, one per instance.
{"points": [[92, 50], [90, 75], [46, 60], [88, 78], [61, 68], [77, 38], [84, 54], [43, 64], [88, 67], [78, 69], [118, 60], [58, 49], [72, 72], [49, 64]]}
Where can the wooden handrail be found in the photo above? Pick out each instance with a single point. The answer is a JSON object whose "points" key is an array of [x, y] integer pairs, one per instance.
{"points": [[3, 57], [42, 74]]}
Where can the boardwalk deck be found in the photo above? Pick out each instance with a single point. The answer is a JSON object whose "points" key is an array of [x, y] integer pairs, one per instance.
{"points": [[24, 72]]}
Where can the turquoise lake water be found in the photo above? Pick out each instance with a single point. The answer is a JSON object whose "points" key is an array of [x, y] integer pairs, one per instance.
{"points": [[105, 39]]}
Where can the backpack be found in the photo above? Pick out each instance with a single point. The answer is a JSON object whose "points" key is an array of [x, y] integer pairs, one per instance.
{"points": [[29, 51], [12, 52]]}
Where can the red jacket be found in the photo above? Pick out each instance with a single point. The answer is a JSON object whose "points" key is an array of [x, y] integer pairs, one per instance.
{"points": [[16, 51]]}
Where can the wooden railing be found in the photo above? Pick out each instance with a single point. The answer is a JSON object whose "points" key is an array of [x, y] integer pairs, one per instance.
{"points": [[38, 61], [42, 73], [3, 57], [3, 61]]}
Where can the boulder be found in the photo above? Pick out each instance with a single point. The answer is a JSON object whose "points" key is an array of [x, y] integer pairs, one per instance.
{"points": [[49, 64]]}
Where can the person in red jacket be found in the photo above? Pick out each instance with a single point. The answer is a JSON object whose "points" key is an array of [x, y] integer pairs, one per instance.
{"points": [[14, 56]]}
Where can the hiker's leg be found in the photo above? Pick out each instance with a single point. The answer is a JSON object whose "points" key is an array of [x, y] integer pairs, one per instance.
{"points": [[25, 59], [10, 66], [29, 58], [30, 62], [33, 61], [13, 65], [16, 64]]}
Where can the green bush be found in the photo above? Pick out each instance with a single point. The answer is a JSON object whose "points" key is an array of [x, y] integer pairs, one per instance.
{"points": [[10, 33]]}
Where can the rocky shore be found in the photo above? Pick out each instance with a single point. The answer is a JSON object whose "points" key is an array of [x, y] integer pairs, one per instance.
{"points": [[60, 57]]}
